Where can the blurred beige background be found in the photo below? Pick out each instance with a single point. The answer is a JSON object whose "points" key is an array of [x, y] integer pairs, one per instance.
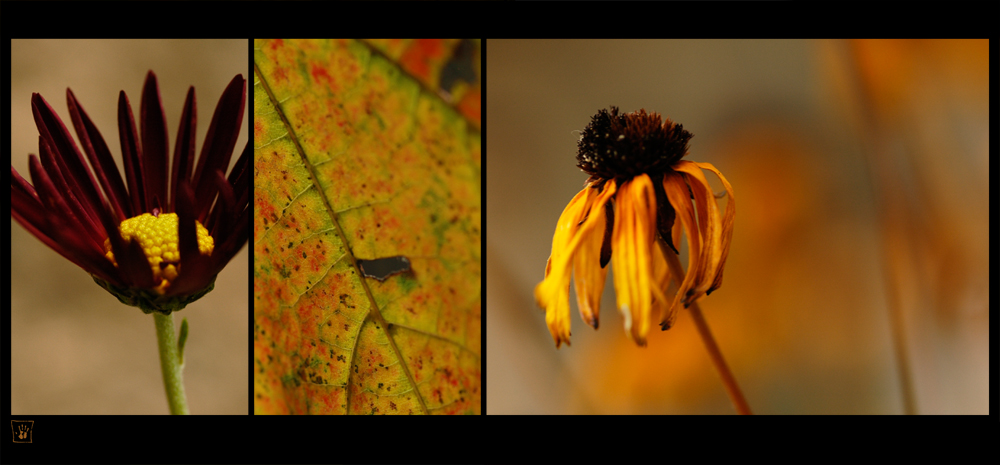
{"points": [[861, 176], [74, 348]]}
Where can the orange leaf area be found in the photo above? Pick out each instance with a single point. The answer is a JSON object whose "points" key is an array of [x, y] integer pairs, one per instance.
{"points": [[354, 159]]}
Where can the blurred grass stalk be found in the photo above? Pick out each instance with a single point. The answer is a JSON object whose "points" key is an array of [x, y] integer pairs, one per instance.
{"points": [[888, 213], [908, 99]]}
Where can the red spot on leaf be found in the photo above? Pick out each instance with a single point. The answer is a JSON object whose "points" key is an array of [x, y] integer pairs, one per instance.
{"points": [[321, 76]]}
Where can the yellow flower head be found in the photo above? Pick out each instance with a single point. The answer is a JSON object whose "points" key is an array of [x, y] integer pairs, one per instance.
{"points": [[157, 235], [638, 187]]}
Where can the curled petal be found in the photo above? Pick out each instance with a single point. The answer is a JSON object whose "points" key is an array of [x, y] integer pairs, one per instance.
{"points": [[727, 226], [709, 226], [679, 196]]}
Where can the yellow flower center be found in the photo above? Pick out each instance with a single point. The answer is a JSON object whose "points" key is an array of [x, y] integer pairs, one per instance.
{"points": [[157, 235]]}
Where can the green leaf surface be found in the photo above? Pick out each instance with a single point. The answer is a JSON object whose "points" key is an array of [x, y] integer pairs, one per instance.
{"points": [[359, 155]]}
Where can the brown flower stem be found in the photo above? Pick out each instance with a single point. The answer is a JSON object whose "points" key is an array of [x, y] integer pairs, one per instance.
{"points": [[728, 380]]}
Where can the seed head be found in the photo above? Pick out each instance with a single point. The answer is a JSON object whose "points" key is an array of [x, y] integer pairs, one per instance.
{"points": [[622, 146]]}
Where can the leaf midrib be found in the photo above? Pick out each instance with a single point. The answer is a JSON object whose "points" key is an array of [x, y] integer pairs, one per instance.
{"points": [[374, 312]]}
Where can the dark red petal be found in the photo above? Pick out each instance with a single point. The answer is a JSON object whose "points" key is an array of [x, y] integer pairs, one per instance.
{"points": [[186, 232], [133, 267], [219, 143], [196, 270], [40, 226], [183, 148], [240, 180], [56, 223], [61, 143], [239, 177], [220, 222], [154, 140], [231, 245], [132, 155], [85, 224], [27, 209], [52, 199], [100, 158], [34, 218], [24, 187]]}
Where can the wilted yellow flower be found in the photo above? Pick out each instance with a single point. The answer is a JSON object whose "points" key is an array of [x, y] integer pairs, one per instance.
{"points": [[638, 187]]}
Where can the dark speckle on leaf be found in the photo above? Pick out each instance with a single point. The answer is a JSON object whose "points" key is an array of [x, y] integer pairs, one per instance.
{"points": [[383, 268]]}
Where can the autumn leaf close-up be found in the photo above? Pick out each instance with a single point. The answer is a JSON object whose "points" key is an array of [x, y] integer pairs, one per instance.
{"points": [[366, 232]]}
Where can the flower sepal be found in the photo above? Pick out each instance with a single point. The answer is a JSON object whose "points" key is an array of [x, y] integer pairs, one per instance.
{"points": [[149, 301]]}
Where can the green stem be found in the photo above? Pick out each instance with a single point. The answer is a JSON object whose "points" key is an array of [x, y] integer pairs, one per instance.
{"points": [[170, 363]]}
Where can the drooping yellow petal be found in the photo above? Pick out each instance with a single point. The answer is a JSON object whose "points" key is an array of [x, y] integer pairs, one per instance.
{"points": [[679, 196], [727, 226], [709, 225], [661, 279], [552, 294], [557, 318], [625, 258], [556, 282], [588, 275], [633, 241]]}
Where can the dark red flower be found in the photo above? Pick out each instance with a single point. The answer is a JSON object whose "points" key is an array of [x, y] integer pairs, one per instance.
{"points": [[159, 241]]}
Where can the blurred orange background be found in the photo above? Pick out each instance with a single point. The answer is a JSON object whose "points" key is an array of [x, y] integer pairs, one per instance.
{"points": [[861, 175], [74, 348]]}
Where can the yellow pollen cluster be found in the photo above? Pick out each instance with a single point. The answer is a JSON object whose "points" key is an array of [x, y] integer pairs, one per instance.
{"points": [[157, 235]]}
